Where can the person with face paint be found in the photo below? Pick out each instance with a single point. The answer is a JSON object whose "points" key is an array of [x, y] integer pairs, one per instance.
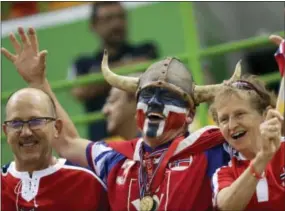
{"points": [[166, 169]]}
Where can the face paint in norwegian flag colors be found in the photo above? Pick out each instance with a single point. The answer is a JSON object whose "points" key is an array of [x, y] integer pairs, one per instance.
{"points": [[160, 110]]}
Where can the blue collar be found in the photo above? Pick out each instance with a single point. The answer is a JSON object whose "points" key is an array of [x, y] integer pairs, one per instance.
{"points": [[151, 150], [163, 146]]}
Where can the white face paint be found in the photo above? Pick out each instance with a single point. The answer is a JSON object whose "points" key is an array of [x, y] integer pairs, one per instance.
{"points": [[172, 116]]}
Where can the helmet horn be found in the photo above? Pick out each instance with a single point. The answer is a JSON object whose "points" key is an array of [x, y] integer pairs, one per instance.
{"points": [[207, 93], [128, 84]]}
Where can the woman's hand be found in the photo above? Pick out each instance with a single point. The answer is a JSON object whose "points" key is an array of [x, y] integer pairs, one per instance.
{"points": [[270, 131]]}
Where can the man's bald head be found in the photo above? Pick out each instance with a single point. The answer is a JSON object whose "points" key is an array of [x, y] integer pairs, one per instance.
{"points": [[30, 142], [33, 97]]}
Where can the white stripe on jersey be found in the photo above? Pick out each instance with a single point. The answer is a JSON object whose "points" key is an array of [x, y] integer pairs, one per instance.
{"points": [[103, 159], [192, 138], [215, 185], [96, 151], [262, 192]]}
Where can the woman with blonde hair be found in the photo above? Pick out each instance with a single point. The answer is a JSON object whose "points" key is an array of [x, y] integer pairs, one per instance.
{"points": [[255, 177]]}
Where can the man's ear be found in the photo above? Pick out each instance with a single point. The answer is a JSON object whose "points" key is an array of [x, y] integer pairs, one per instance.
{"points": [[58, 127], [190, 117], [4, 127], [189, 120]]}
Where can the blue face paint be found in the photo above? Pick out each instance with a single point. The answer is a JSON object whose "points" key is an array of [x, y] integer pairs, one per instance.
{"points": [[158, 96], [158, 102]]}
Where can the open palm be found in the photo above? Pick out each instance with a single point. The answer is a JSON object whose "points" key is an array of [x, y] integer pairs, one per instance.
{"points": [[29, 62]]}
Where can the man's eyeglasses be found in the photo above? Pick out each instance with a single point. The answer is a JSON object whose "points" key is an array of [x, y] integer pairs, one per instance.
{"points": [[34, 124]]}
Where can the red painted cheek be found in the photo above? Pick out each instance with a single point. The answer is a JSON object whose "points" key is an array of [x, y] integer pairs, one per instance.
{"points": [[174, 121], [140, 118]]}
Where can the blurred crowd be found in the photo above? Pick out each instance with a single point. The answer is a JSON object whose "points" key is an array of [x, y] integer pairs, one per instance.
{"points": [[20, 9]]}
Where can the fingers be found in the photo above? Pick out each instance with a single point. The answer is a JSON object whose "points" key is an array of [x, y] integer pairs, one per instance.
{"points": [[274, 128], [43, 55], [275, 140], [270, 126], [15, 43], [273, 113], [271, 130], [270, 137], [275, 39], [24, 38], [271, 134], [8, 55], [273, 121], [33, 39]]}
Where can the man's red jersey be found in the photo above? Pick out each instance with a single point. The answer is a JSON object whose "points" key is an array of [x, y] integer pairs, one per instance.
{"points": [[186, 180], [60, 187]]}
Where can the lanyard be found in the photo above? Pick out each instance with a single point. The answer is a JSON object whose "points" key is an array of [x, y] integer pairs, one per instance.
{"points": [[149, 177]]}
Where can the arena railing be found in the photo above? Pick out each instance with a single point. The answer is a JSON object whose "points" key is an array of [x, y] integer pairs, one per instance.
{"points": [[192, 57]]}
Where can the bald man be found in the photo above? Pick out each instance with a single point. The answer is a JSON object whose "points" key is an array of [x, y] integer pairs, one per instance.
{"points": [[36, 180]]}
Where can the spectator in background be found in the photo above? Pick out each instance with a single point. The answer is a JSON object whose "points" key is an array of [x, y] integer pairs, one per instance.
{"points": [[109, 22], [120, 112], [22, 9]]}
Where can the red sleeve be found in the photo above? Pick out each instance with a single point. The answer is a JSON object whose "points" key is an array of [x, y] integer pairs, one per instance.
{"points": [[222, 178]]}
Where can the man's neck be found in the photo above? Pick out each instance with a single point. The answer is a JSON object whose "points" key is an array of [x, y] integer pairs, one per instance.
{"points": [[34, 166], [164, 138]]}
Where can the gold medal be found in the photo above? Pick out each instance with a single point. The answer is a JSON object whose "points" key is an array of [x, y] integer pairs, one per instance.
{"points": [[147, 203]]}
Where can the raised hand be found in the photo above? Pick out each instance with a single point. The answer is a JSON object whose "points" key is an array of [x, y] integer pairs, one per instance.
{"points": [[275, 39], [29, 62], [270, 131]]}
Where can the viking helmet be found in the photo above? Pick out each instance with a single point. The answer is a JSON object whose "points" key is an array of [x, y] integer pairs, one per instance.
{"points": [[169, 73]]}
